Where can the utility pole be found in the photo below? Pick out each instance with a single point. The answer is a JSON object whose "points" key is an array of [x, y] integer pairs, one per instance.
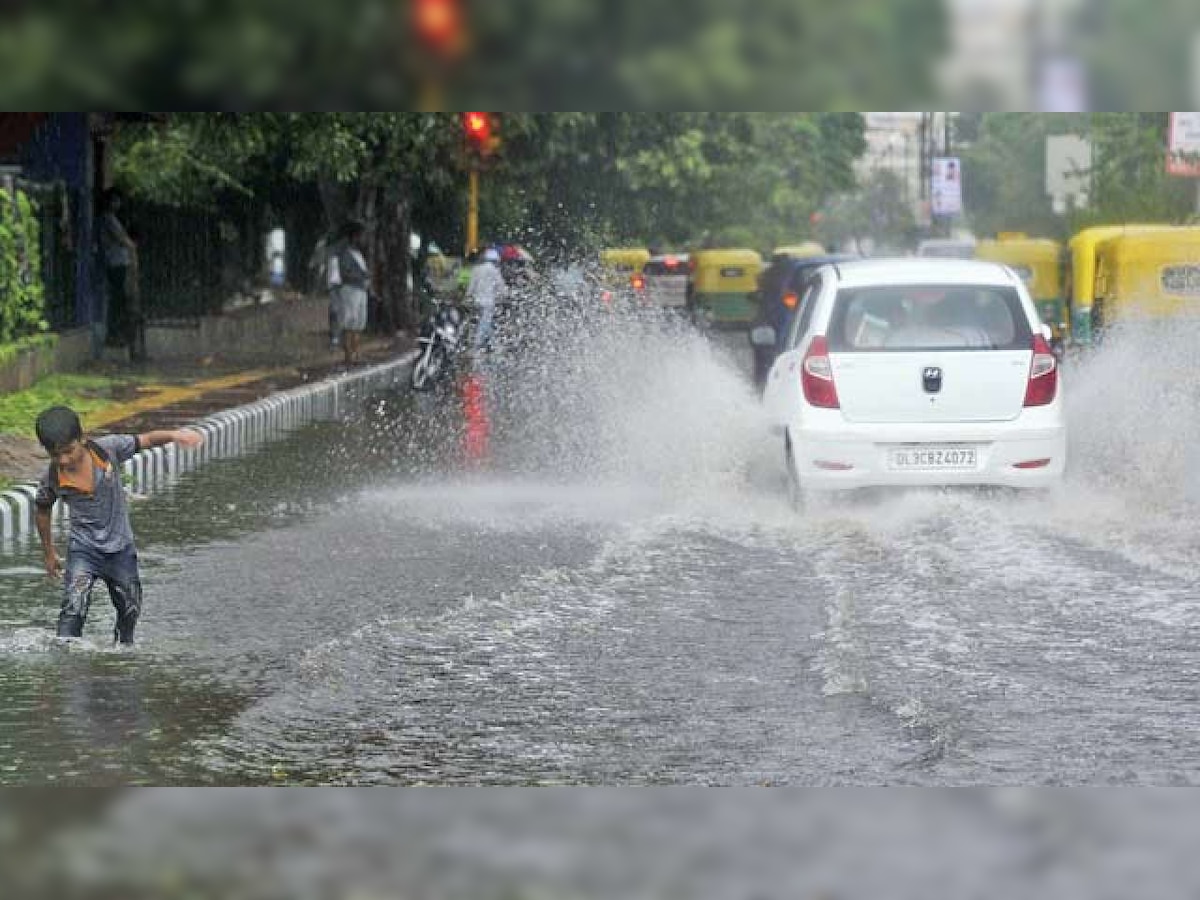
{"points": [[922, 154], [473, 209]]}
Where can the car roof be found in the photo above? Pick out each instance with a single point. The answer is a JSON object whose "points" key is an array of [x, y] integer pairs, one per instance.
{"points": [[808, 262], [924, 270]]}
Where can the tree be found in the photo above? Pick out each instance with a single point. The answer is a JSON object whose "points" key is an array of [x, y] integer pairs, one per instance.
{"points": [[1004, 173], [562, 182], [875, 217], [385, 168], [582, 177], [277, 54]]}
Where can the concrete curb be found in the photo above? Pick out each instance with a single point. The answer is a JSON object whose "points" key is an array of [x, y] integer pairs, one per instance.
{"points": [[227, 434]]}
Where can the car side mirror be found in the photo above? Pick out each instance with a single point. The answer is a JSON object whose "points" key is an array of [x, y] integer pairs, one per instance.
{"points": [[763, 336]]}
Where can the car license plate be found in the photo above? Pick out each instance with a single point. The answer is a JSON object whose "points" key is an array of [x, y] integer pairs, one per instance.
{"points": [[933, 459]]}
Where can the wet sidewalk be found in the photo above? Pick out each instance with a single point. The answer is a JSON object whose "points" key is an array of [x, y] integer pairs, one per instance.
{"points": [[171, 395], [196, 394]]}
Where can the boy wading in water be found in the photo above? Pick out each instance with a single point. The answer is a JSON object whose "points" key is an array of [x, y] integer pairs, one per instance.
{"points": [[86, 475]]}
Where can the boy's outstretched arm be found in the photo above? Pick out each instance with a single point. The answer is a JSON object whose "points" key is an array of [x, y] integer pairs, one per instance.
{"points": [[185, 437]]}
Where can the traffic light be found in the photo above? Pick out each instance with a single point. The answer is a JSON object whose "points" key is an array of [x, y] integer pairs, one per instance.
{"points": [[479, 129], [440, 27]]}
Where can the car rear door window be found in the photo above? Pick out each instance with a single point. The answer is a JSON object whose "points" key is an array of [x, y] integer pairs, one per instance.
{"points": [[808, 305], [927, 318]]}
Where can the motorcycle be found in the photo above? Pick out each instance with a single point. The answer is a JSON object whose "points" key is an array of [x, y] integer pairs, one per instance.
{"points": [[440, 338]]}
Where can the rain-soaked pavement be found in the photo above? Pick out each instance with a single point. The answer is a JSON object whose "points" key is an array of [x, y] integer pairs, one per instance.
{"points": [[587, 574]]}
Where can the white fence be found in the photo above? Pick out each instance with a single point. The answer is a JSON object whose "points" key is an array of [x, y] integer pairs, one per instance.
{"points": [[227, 434]]}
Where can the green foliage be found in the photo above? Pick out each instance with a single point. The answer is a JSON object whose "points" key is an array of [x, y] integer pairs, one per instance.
{"points": [[10, 351], [649, 54], [878, 211], [1129, 172], [1004, 173], [1140, 54], [83, 393], [563, 180], [674, 178], [22, 294]]}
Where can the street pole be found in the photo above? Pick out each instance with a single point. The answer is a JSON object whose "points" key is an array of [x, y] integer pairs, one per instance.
{"points": [[473, 210]]}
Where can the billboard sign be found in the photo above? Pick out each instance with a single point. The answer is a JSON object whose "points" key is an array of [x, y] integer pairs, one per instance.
{"points": [[946, 188], [1183, 145]]}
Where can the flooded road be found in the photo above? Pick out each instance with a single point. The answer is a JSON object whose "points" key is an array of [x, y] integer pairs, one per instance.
{"points": [[600, 583]]}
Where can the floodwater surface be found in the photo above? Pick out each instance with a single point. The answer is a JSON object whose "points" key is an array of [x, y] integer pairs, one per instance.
{"points": [[578, 567]]}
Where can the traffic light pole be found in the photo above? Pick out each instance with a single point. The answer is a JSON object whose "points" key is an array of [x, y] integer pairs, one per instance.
{"points": [[473, 210]]}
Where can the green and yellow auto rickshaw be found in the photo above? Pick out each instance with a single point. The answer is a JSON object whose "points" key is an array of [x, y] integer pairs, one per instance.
{"points": [[626, 261], [619, 276], [1146, 275], [1081, 274], [723, 285], [1039, 263]]}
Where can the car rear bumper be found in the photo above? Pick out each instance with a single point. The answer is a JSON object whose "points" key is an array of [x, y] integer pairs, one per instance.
{"points": [[1004, 456]]}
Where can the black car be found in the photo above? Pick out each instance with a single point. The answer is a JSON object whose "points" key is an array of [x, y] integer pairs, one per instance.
{"points": [[780, 288]]}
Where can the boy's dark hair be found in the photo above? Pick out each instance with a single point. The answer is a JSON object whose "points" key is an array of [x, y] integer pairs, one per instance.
{"points": [[57, 427]]}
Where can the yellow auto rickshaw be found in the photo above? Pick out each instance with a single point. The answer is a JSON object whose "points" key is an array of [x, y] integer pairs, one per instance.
{"points": [[626, 261], [1039, 263], [1147, 275], [1081, 274], [723, 285]]}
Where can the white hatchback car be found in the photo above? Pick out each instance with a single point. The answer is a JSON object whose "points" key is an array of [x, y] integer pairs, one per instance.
{"points": [[917, 372]]}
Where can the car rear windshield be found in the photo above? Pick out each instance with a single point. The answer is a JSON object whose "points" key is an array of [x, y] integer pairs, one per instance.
{"points": [[665, 267], [930, 317]]}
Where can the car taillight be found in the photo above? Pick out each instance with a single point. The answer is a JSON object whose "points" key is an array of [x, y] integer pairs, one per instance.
{"points": [[638, 282], [791, 300], [816, 376], [1043, 374]]}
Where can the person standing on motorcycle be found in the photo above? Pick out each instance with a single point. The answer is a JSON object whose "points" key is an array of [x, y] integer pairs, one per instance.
{"points": [[486, 289]]}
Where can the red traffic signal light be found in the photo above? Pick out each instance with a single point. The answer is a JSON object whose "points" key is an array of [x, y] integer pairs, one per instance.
{"points": [[478, 127], [480, 131], [439, 25]]}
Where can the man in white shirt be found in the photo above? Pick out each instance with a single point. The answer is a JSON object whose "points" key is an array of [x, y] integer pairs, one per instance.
{"points": [[485, 290]]}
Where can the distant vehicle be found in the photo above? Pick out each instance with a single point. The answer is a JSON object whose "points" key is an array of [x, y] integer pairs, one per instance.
{"points": [[1129, 273], [440, 340], [1039, 262], [614, 277], [780, 287], [917, 373], [947, 248], [723, 285], [663, 281], [627, 260]]}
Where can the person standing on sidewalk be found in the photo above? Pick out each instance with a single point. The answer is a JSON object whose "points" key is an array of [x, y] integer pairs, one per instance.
{"points": [[86, 475], [120, 261], [321, 265], [349, 282]]}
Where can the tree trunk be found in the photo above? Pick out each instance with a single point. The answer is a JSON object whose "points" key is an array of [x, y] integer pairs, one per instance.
{"points": [[391, 264]]}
